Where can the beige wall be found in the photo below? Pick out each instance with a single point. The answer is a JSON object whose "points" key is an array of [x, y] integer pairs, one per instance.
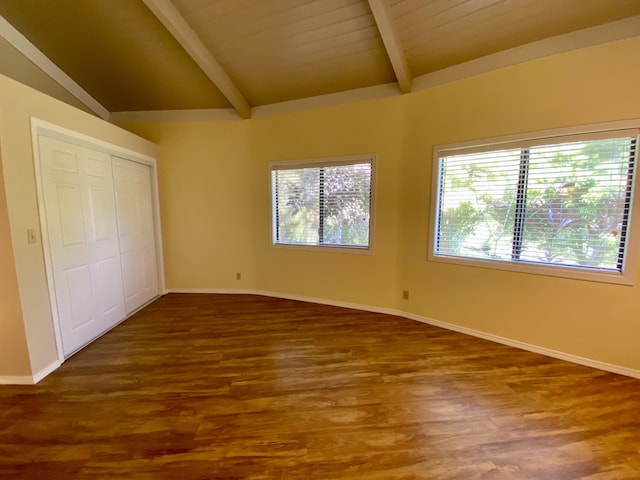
{"points": [[18, 104], [216, 213], [371, 127], [593, 320], [215, 201], [206, 202], [14, 356]]}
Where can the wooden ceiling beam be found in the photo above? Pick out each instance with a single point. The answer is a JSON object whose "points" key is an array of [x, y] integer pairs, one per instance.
{"points": [[171, 18], [22, 44], [391, 39]]}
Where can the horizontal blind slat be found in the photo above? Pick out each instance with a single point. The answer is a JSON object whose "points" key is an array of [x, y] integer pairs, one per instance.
{"points": [[575, 210], [327, 204]]}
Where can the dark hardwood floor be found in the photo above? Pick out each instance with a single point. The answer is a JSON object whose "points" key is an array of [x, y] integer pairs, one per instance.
{"points": [[249, 387]]}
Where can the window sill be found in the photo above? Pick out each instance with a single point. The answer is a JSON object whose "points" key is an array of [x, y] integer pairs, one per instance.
{"points": [[561, 271], [324, 248]]}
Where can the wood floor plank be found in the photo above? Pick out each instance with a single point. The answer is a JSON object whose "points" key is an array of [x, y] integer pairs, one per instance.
{"points": [[250, 387]]}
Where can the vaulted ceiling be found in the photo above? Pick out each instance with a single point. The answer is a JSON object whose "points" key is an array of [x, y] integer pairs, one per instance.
{"points": [[117, 56]]}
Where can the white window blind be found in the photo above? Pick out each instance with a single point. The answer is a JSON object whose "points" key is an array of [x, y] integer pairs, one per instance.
{"points": [[325, 203], [561, 202]]}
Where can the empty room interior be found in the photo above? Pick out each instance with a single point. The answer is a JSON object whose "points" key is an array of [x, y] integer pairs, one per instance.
{"points": [[319, 239]]}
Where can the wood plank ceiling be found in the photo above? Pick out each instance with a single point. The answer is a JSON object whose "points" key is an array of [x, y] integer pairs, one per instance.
{"points": [[158, 55]]}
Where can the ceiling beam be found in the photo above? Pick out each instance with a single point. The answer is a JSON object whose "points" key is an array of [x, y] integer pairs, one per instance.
{"points": [[40, 60], [391, 40], [171, 18]]}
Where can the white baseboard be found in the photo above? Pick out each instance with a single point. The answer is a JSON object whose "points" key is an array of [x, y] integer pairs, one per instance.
{"points": [[16, 380], [29, 379], [46, 371], [214, 290], [588, 362]]}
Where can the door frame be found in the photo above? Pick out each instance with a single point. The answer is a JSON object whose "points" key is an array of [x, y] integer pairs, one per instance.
{"points": [[46, 129]]}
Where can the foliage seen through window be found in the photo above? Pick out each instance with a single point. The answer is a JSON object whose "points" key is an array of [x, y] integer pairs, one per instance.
{"points": [[555, 204], [322, 205]]}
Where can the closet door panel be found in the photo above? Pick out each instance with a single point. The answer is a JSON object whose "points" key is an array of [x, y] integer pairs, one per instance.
{"points": [[81, 225], [69, 199], [78, 290], [109, 292], [130, 266], [136, 232]]}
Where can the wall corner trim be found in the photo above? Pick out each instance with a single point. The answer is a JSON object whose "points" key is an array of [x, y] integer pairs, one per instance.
{"points": [[588, 362], [46, 371], [28, 379]]}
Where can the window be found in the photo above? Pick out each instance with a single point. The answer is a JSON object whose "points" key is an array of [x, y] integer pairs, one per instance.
{"points": [[561, 205], [323, 203]]}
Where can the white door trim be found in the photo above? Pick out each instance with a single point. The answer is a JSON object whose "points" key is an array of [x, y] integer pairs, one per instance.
{"points": [[43, 128]]}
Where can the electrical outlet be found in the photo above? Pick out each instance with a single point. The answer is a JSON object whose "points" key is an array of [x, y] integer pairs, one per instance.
{"points": [[238, 276], [405, 294], [32, 236]]}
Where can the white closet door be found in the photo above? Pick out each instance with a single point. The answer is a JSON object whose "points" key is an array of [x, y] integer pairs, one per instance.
{"points": [[83, 241], [136, 232]]}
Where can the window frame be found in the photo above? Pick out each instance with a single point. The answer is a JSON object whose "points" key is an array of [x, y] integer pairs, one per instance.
{"points": [[320, 163], [531, 139]]}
